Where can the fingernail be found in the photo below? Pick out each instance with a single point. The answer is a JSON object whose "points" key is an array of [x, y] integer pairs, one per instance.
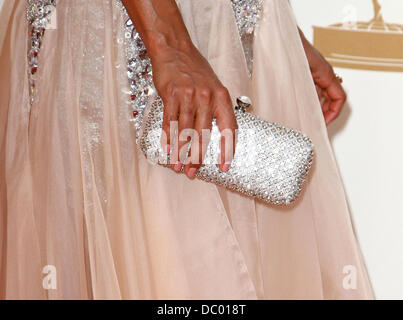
{"points": [[167, 149], [192, 173], [178, 166], [225, 167]]}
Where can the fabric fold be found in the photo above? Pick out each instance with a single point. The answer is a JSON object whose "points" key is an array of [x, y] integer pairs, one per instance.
{"points": [[77, 193]]}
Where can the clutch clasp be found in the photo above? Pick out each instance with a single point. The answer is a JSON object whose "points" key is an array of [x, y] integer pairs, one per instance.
{"points": [[243, 103]]}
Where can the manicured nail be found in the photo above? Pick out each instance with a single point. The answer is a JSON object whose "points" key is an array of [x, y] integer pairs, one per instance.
{"points": [[192, 173], [167, 149], [225, 167], [178, 166]]}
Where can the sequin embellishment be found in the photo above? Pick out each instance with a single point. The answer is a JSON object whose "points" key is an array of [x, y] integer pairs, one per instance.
{"points": [[38, 15], [139, 70], [247, 15], [271, 162]]}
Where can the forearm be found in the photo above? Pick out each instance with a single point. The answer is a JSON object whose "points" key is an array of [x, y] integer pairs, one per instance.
{"points": [[159, 24], [307, 47], [305, 42]]}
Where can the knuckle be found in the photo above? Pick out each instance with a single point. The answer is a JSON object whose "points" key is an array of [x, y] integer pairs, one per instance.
{"points": [[205, 93], [168, 102], [187, 91], [222, 92], [187, 112], [168, 118], [168, 91]]}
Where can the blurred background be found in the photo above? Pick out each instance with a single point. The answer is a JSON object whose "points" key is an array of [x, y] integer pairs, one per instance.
{"points": [[364, 39], [367, 136]]}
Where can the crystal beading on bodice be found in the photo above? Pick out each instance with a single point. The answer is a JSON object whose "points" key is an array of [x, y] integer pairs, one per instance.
{"points": [[38, 16], [139, 68], [247, 15]]}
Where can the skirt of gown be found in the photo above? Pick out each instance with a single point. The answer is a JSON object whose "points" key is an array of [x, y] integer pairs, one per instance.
{"points": [[77, 194]]}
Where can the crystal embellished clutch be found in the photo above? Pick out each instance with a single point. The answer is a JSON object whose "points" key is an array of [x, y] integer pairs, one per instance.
{"points": [[271, 162]]}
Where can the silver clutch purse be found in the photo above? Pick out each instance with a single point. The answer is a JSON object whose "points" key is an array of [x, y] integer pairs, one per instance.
{"points": [[271, 162]]}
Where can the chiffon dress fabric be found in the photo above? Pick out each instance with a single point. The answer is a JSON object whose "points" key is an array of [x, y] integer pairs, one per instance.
{"points": [[76, 192]]}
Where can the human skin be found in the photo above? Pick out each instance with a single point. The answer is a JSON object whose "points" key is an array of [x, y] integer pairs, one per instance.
{"points": [[328, 85], [192, 93]]}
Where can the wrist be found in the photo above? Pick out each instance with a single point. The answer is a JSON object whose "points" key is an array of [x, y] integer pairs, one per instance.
{"points": [[160, 26], [311, 55], [160, 43]]}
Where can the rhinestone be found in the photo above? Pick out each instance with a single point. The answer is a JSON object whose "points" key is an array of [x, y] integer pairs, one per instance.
{"points": [[255, 171], [38, 16], [271, 162]]}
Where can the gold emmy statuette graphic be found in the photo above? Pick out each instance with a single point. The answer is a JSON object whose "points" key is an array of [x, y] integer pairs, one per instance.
{"points": [[372, 45]]}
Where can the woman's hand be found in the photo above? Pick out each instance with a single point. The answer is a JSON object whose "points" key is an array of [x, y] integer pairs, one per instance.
{"points": [[330, 91], [192, 96], [189, 88]]}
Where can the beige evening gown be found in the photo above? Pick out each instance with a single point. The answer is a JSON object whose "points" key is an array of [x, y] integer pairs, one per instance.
{"points": [[77, 194]]}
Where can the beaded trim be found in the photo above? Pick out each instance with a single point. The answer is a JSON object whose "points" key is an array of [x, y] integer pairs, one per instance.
{"points": [[139, 67], [247, 14], [38, 15], [139, 70]]}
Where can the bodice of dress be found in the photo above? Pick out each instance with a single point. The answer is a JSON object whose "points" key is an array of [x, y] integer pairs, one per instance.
{"points": [[38, 15], [139, 67], [247, 15]]}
